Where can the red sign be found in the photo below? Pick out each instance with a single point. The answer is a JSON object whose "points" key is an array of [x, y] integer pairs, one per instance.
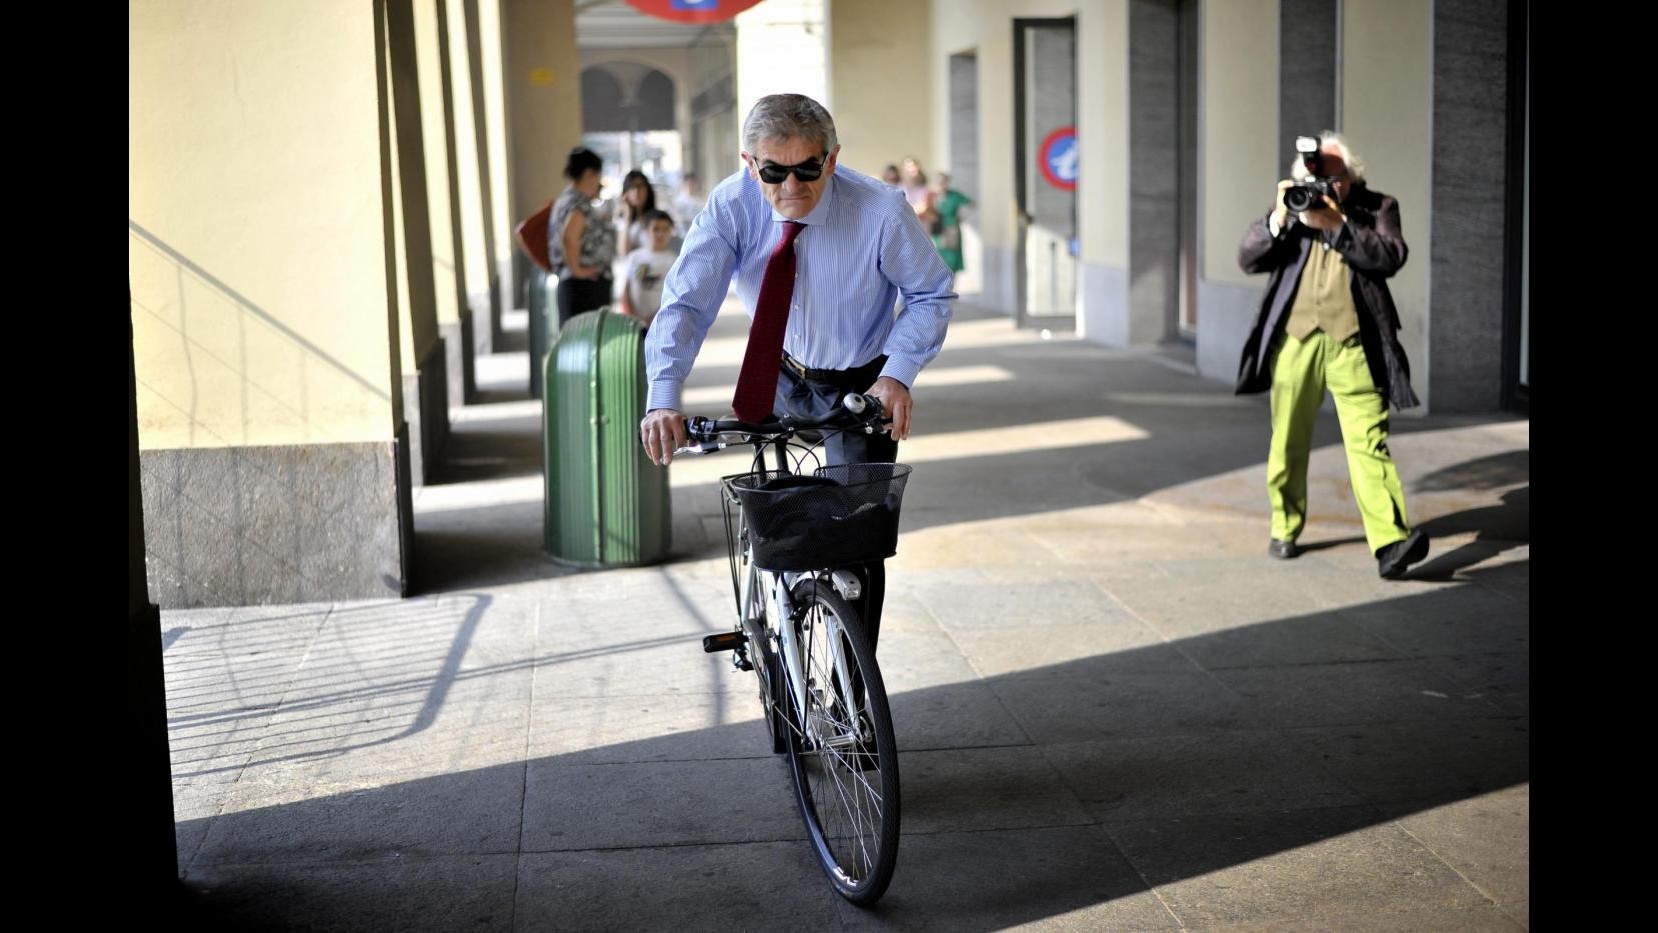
{"points": [[694, 12]]}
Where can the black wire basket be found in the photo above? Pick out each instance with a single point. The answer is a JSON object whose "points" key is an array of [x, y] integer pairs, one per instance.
{"points": [[831, 517]]}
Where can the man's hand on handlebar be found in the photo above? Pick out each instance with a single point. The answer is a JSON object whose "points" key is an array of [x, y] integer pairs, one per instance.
{"points": [[662, 432], [895, 398]]}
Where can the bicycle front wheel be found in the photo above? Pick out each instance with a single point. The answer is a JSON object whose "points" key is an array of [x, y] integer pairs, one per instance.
{"points": [[841, 748]]}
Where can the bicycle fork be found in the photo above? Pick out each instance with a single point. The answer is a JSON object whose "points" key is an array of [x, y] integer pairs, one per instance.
{"points": [[835, 734], [840, 725]]}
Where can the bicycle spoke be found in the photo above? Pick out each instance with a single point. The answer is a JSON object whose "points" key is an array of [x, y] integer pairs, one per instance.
{"points": [[819, 686], [850, 804]]}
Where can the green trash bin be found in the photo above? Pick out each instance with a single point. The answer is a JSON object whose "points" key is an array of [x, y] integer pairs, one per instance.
{"points": [[607, 505], [543, 305]]}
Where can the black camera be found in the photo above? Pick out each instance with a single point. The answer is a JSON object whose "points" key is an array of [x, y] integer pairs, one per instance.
{"points": [[1309, 194]]}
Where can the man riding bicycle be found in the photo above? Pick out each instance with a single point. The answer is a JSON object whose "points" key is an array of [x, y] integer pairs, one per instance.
{"points": [[821, 257]]}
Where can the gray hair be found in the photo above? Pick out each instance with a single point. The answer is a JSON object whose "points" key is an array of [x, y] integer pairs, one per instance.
{"points": [[785, 116], [1355, 164]]}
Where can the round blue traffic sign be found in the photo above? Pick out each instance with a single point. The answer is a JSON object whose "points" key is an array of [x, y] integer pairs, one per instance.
{"points": [[1059, 158]]}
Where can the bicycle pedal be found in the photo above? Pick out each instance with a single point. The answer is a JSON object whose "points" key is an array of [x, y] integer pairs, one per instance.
{"points": [[725, 641]]}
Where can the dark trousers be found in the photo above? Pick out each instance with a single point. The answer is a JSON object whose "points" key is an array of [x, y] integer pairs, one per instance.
{"points": [[814, 398], [578, 295]]}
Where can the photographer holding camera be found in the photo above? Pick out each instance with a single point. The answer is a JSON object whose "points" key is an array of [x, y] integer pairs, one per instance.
{"points": [[1328, 320]]}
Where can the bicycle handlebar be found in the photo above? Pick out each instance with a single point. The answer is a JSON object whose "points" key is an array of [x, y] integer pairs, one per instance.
{"points": [[707, 434]]}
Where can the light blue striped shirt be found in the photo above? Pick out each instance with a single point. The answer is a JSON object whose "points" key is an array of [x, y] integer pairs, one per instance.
{"points": [[862, 248]]}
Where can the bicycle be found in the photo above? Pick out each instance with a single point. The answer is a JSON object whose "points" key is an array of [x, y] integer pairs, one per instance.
{"points": [[791, 539]]}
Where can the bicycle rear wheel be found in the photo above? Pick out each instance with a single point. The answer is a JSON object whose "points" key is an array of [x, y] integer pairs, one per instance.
{"points": [[842, 752]]}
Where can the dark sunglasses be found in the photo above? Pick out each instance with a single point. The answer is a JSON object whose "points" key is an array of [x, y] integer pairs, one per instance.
{"points": [[773, 174]]}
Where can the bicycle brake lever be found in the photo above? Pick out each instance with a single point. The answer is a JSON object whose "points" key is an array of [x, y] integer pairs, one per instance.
{"points": [[707, 448]]}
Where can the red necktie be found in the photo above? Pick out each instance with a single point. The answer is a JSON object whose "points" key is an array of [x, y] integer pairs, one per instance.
{"points": [[757, 382]]}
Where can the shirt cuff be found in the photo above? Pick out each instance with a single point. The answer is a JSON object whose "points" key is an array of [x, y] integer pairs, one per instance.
{"points": [[902, 370], [662, 395]]}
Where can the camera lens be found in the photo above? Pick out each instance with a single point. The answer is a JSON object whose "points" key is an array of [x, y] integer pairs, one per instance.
{"points": [[1299, 198]]}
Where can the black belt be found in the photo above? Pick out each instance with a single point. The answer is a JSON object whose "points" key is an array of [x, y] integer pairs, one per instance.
{"points": [[859, 377]]}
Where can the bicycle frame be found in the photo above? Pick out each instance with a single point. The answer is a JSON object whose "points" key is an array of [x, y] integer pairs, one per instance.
{"points": [[825, 704], [776, 587]]}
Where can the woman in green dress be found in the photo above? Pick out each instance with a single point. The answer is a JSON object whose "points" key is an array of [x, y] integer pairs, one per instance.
{"points": [[949, 203]]}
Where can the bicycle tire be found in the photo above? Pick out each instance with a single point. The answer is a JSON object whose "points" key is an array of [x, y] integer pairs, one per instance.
{"points": [[845, 776]]}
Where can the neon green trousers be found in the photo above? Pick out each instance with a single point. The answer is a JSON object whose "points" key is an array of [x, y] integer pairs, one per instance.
{"points": [[1301, 371]]}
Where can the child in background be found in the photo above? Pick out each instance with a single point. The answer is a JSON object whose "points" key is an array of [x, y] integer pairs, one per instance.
{"points": [[647, 268]]}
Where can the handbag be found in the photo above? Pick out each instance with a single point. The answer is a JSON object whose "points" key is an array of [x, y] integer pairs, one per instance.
{"points": [[531, 234]]}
